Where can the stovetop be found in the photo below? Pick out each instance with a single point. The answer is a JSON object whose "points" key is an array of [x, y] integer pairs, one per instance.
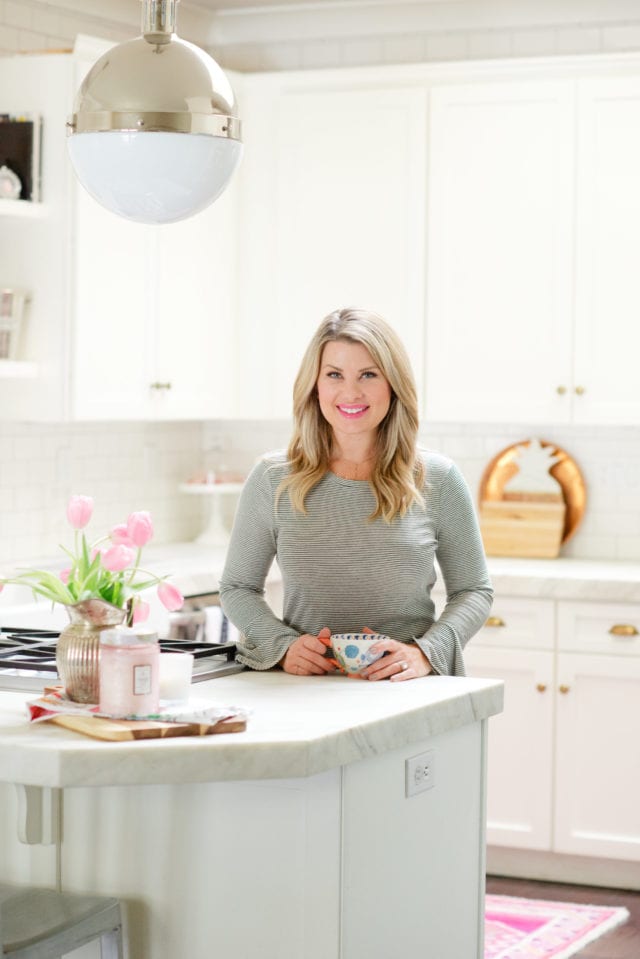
{"points": [[28, 657]]}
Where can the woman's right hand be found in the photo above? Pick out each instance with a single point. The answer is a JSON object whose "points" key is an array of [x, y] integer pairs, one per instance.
{"points": [[305, 656]]}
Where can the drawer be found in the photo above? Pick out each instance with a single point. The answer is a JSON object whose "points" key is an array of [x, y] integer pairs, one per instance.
{"points": [[610, 628], [518, 624]]}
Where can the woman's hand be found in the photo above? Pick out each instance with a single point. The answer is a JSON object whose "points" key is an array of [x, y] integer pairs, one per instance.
{"points": [[404, 661], [305, 656]]}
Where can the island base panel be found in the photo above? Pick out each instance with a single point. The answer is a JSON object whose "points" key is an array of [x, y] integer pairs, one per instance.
{"points": [[340, 865]]}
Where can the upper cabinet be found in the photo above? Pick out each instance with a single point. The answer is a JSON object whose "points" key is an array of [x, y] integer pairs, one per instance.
{"points": [[152, 311], [125, 321], [491, 212], [533, 227], [499, 273], [607, 237], [332, 215]]}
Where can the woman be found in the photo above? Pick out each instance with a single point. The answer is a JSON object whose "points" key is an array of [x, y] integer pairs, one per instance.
{"points": [[356, 516]]}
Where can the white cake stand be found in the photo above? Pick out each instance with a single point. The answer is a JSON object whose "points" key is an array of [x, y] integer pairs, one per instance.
{"points": [[215, 533]]}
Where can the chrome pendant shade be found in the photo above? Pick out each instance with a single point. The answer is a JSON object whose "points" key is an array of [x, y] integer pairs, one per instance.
{"points": [[154, 136]]}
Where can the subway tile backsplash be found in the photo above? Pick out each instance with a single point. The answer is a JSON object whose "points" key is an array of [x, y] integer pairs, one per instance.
{"points": [[127, 466], [608, 457]]}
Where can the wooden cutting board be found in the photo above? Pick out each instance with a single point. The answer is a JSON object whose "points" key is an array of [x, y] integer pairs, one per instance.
{"points": [[123, 730]]}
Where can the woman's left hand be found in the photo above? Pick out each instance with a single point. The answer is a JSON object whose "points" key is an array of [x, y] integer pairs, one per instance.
{"points": [[404, 661]]}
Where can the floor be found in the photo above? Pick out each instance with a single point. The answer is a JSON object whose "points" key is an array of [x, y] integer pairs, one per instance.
{"points": [[621, 943]]}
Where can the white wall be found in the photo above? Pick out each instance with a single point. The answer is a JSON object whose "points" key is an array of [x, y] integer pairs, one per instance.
{"points": [[410, 31], [37, 25], [285, 37]]}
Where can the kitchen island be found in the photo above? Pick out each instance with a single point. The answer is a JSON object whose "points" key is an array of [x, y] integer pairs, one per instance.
{"points": [[293, 840]]}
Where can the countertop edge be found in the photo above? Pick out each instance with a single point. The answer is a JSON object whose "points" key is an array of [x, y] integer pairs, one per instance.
{"points": [[60, 758]]}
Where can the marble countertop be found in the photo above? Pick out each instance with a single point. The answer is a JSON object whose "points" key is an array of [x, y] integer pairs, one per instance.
{"points": [[195, 568], [298, 726], [576, 579]]}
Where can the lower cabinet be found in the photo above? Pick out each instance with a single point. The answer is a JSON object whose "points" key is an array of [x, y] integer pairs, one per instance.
{"points": [[564, 762]]}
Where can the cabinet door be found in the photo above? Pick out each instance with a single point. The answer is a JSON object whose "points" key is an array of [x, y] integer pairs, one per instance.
{"points": [[192, 313], [608, 239], [519, 770], [499, 275], [111, 361], [597, 756], [517, 623], [333, 216], [152, 333]]}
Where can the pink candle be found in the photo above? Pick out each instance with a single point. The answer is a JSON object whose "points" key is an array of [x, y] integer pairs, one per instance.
{"points": [[129, 672]]}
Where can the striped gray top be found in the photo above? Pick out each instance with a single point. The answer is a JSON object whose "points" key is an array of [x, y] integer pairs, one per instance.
{"points": [[346, 572]]}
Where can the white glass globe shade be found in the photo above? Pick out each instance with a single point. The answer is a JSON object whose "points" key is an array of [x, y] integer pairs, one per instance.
{"points": [[153, 177]]}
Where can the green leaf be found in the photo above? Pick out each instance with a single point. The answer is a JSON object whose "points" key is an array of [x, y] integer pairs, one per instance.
{"points": [[45, 584], [145, 584]]}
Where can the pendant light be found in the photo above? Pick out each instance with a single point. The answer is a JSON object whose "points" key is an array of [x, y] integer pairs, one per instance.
{"points": [[154, 136]]}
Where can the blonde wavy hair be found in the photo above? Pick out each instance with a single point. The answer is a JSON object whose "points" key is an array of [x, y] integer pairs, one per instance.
{"points": [[398, 474]]}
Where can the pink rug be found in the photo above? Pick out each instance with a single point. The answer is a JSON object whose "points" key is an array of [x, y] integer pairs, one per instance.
{"points": [[537, 929]]}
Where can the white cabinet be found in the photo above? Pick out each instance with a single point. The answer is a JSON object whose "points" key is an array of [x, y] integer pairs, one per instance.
{"points": [[153, 331], [598, 730], [499, 251], [126, 321], [517, 647], [607, 241], [332, 215], [534, 213], [564, 767]]}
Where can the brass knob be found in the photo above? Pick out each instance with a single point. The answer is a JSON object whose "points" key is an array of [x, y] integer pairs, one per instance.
{"points": [[580, 390], [541, 687], [495, 621], [564, 689], [561, 390], [623, 629]]}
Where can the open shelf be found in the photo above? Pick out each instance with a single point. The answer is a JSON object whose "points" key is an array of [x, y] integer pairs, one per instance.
{"points": [[18, 369], [24, 208]]}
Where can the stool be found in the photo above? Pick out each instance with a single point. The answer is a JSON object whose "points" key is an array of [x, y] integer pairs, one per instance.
{"points": [[44, 924]]}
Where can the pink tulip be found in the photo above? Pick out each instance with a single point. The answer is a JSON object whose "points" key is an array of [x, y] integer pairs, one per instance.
{"points": [[64, 575], [79, 510], [140, 611], [117, 558], [120, 536], [140, 528], [170, 596]]}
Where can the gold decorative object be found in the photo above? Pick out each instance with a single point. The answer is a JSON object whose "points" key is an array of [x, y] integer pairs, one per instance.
{"points": [[78, 647], [565, 470]]}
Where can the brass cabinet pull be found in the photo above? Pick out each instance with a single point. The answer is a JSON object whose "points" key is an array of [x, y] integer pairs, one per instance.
{"points": [[495, 621], [160, 386], [561, 390], [541, 687], [564, 689], [623, 629], [580, 390]]}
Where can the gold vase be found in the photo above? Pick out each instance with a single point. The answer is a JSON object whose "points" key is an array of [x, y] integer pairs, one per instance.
{"points": [[78, 647]]}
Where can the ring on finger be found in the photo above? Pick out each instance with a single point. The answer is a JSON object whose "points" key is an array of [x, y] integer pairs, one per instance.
{"points": [[404, 666]]}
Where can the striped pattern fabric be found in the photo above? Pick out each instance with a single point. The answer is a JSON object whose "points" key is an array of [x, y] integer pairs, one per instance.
{"points": [[344, 571]]}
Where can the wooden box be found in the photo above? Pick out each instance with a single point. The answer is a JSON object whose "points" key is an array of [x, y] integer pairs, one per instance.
{"points": [[522, 528]]}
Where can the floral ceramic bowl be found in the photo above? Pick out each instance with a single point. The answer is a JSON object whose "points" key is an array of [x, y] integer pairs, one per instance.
{"points": [[353, 650]]}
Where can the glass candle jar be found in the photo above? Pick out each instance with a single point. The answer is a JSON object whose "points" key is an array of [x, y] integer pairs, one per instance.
{"points": [[129, 672]]}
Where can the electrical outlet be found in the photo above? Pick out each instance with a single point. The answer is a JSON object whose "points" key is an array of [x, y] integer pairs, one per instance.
{"points": [[419, 773]]}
